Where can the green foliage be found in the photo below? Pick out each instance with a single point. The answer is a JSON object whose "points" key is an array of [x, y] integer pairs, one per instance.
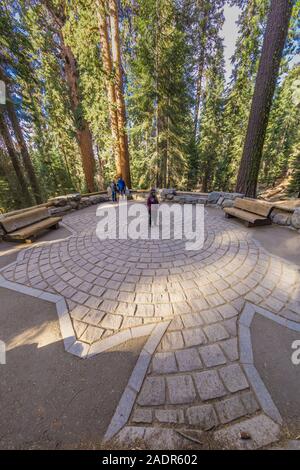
{"points": [[283, 130], [173, 61], [211, 124], [245, 63], [158, 98]]}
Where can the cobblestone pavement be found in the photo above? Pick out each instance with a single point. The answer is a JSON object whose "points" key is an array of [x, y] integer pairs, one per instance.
{"points": [[111, 285]]}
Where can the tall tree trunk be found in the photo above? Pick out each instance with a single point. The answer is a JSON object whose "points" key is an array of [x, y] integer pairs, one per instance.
{"points": [[4, 131], [157, 100], [100, 163], [198, 93], [83, 133], [121, 110], [273, 44], [110, 88], [21, 142], [201, 61], [15, 195], [23, 150]]}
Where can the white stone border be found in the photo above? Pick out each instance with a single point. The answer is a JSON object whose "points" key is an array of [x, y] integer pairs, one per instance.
{"points": [[64, 319], [124, 408], [77, 347], [85, 351], [246, 355]]}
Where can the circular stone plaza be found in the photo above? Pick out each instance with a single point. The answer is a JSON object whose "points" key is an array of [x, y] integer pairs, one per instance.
{"points": [[212, 331]]}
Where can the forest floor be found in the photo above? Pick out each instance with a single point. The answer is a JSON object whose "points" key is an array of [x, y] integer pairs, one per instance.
{"points": [[279, 192], [174, 341]]}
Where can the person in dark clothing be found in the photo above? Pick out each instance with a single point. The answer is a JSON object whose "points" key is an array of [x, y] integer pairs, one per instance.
{"points": [[113, 188], [152, 201], [121, 186]]}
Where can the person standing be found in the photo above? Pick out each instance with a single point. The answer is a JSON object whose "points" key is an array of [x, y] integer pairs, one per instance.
{"points": [[113, 188], [152, 204], [121, 186]]}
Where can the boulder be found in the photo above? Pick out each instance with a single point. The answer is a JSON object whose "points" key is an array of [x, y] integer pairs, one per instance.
{"points": [[189, 200], [98, 198], [74, 204], [220, 200], [60, 210], [227, 203], [186, 199], [60, 201], [213, 197], [233, 195], [295, 220], [85, 202], [281, 218], [166, 191]]}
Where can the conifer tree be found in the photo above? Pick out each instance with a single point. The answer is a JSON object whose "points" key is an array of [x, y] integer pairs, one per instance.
{"points": [[274, 40]]}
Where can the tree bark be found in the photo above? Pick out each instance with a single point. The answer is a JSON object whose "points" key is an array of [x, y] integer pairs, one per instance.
{"points": [[15, 196], [110, 88], [100, 163], [120, 101], [22, 143], [24, 151], [83, 133], [198, 92], [4, 131], [201, 60], [273, 45]]}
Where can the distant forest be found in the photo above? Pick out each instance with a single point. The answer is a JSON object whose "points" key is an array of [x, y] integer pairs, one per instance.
{"points": [[100, 88]]}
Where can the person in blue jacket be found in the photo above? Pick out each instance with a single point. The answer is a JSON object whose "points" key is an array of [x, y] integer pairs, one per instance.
{"points": [[121, 186]]}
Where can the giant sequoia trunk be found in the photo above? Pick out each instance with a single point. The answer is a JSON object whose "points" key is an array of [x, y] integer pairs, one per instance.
{"points": [[110, 88], [121, 111], [111, 56], [83, 133], [4, 131], [84, 136], [273, 44]]}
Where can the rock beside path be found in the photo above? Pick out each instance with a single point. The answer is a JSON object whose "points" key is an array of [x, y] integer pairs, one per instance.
{"points": [[295, 220]]}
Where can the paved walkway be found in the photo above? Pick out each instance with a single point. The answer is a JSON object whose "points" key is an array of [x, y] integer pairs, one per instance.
{"points": [[189, 302], [51, 399]]}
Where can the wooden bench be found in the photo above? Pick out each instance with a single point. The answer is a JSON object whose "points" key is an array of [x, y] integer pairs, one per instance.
{"points": [[27, 225], [254, 212]]}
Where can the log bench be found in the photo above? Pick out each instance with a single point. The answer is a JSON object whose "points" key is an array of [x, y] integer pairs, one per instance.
{"points": [[252, 211], [26, 225]]}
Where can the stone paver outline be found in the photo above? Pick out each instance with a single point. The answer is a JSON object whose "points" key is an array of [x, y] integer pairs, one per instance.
{"points": [[71, 344], [129, 395], [249, 275]]}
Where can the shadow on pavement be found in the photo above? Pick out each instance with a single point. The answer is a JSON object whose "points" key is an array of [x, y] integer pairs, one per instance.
{"points": [[9, 250], [279, 241], [51, 399], [272, 349]]}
